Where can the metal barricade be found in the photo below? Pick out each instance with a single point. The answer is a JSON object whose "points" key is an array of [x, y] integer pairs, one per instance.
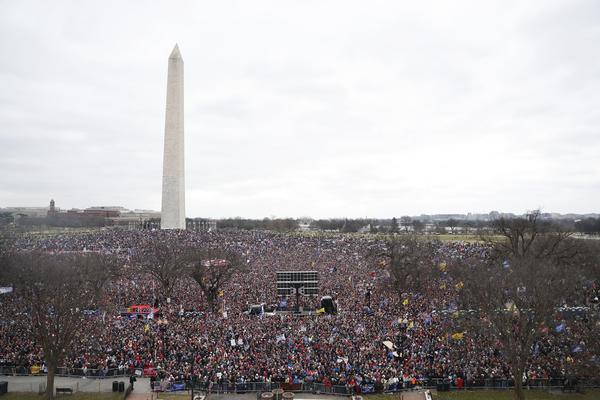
{"points": [[341, 390], [312, 387]]}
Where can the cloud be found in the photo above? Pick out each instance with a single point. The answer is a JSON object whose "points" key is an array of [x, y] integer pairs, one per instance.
{"points": [[331, 108]]}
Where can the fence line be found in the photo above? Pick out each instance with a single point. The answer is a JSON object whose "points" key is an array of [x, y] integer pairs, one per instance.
{"points": [[311, 387], [68, 372], [320, 388]]}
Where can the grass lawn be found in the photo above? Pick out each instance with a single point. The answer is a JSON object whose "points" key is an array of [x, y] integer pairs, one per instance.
{"points": [[462, 238], [183, 395], [75, 396], [508, 395]]}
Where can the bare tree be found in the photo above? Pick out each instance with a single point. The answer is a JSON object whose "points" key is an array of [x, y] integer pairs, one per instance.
{"points": [[530, 272], [409, 261], [100, 270], [452, 224], [529, 236], [7, 248], [56, 289], [394, 226], [587, 364], [213, 268], [166, 261], [406, 222], [418, 226]]}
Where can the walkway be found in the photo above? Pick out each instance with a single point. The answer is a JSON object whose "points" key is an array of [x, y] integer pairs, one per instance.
{"points": [[413, 396], [33, 383], [140, 396]]}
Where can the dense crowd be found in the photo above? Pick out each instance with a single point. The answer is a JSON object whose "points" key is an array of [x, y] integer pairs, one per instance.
{"points": [[232, 346]]}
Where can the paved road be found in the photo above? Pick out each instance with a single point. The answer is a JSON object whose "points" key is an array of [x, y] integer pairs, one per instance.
{"points": [[142, 388], [413, 396], [141, 396], [34, 383]]}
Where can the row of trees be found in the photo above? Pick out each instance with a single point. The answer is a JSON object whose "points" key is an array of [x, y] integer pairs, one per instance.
{"points": [[403, 224], [6, 219], [406, 224], [59, 290], [588, 225], [535, 268], [76, 220], [272, 224], [394, 225]]}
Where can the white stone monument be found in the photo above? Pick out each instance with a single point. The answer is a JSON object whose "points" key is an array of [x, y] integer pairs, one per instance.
{"points": [[173, 184]]}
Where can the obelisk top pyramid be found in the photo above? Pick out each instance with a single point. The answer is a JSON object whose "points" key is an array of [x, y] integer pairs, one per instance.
{"points": [[175, 54]]}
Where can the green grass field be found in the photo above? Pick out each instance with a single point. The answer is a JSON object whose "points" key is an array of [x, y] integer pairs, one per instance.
{"points": [[508, 395], [75, 396]]}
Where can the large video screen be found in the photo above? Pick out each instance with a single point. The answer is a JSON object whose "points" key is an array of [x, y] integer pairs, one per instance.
{"points": [[305, 282]]}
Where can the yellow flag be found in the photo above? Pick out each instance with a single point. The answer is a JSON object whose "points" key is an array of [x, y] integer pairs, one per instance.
{"points": [[405, 302], [321, 310], [146, 328], [460, 285], [457, 336], [221, 293]]}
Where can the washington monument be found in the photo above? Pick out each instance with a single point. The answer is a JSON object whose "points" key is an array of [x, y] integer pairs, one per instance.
{"points": [[173, 184]]}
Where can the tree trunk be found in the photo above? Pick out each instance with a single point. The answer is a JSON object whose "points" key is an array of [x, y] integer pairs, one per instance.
{"points": [[50, 381], [519, 395], [167, 290], [213, 295], [211, 304], [211, 299]]}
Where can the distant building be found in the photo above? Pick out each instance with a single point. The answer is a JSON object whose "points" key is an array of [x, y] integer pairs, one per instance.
{"points": [[52, 209], [304, 227], [95, 216], [201, 224], [33, 212], [79, 218]]}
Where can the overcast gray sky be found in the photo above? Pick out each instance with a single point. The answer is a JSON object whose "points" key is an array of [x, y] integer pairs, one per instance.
{"points": [[296, 108]]}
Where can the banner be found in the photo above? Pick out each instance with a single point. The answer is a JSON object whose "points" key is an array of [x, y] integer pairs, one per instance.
{"points": [[6, 289]]}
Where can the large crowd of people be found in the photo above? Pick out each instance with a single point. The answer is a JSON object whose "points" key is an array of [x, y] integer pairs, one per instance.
{"points": [[186, 339]]}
